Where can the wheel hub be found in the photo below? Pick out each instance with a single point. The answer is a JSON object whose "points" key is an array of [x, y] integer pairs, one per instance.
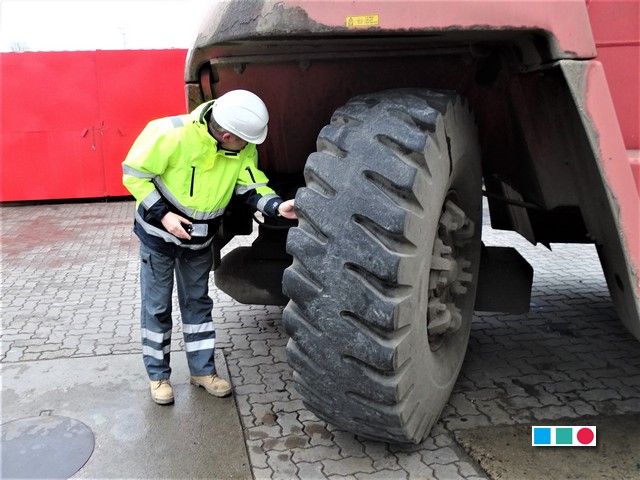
{"points": [[448, 277]]}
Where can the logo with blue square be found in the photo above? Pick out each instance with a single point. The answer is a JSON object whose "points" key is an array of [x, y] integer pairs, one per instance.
{"points": [[563, 436]]}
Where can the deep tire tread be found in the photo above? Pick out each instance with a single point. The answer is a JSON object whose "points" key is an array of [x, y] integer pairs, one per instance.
{"points": [[402, 152], [404, 198], [373, 187], [385, 289], [393, 242], [390, 337]]}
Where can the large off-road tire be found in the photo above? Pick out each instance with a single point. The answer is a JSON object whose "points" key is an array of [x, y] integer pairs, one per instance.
{"points": [[385, 261]]}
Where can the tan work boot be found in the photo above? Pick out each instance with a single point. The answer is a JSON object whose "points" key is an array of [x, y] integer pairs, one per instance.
{"points": [[161, 391], [213, 384]]}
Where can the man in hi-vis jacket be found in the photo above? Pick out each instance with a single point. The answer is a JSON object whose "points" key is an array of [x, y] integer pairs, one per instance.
{"points": [[183, 171]]}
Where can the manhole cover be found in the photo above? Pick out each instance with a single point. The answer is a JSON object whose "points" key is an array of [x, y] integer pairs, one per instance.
{"points": [[44, 447]]}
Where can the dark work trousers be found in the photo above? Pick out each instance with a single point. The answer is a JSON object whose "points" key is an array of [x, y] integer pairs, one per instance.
{"points": [[192, 268]]}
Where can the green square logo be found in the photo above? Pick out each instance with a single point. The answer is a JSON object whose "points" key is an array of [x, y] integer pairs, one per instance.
{"points": [[564, 436]]}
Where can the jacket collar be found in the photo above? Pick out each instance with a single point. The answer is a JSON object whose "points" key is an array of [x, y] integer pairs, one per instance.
{"points": [[203, 110], [199, 116]]}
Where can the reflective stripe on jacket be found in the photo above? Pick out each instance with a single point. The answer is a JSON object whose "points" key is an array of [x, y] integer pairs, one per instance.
{"points": [[175, 165]]}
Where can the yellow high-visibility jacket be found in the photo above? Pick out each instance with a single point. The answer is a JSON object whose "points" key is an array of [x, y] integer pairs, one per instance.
{"points": [[176, 165]]}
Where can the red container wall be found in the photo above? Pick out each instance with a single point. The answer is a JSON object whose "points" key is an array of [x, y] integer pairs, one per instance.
{"points": [[69, 118], [617, 34]]}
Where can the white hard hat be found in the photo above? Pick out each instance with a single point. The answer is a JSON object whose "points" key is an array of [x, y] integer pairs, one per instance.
{"points": [[242, 113]]}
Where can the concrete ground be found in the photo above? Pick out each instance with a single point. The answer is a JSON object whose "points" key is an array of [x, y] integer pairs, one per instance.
{"points": [[70, 347], [196, 438]]}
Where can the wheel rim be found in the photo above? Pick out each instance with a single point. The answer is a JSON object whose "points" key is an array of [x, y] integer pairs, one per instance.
{"points": [[448, 277]]}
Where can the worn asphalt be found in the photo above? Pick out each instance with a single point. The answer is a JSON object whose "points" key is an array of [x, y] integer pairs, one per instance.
{"points": [[70, 348]]}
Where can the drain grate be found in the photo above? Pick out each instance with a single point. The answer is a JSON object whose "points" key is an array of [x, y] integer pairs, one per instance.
{"points": [[44, 447]]}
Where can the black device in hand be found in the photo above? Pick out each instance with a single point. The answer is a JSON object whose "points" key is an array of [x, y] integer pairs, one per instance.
{"points": [[197, 229]]}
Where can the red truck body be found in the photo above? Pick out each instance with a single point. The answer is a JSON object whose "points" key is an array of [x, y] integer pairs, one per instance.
{"points": [[553, 90]]}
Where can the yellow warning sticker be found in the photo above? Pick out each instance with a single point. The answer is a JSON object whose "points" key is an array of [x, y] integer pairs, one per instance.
{"points": [[362, 21]]}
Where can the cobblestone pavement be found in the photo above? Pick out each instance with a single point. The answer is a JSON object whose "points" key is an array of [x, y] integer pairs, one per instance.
{"points": [[70, 289]]}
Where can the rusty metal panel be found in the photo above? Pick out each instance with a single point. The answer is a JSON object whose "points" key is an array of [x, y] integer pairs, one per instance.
{"points": [[563, 20], [230, 23]]}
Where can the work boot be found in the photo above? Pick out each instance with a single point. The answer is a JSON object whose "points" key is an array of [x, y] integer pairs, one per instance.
{"points": [[213, 384], [161, 391]]}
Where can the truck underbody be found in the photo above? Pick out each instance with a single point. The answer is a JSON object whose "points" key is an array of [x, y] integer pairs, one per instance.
{"points": [[549, 171]]}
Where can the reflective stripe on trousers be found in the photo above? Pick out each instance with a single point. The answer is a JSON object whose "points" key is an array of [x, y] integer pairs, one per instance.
{"points": [[192, 270]]}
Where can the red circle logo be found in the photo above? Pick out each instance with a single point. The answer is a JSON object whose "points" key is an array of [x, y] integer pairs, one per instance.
{"points": [[585, 436]]}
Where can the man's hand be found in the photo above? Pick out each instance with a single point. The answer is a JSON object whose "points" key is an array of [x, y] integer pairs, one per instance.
{"points": [[173, 223], [286, 210]]}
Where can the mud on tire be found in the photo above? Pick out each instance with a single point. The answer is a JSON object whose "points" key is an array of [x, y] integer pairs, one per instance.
{"points": [[386, 255]]}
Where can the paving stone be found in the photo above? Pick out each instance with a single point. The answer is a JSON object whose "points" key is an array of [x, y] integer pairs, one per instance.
{"points": [[348, 466], [310, 471], [382, 458], [32, 341], [60, 353], [26, 357], [623, 389], [262, 473], [273, 382], [289, 423], [563, 387], [251, 375], [253, 361], [414, 466], [12, 335], [275, 367], [15, 354], [261, 432], [316, 454], [632, 380], [462, 405], [257, 455], [582, 408], [281, 465], [263, 413], [518, 403], [441, 456], [259, 348], [553, 412], [383, 475], [446, 472], [285, 443], [289, 406], [269, 397], [102, 350], [348, 444], [569, 357], [478, 395], [244, 408], [43, 348], [442, 439], [496, 414], [463, 423], [599, 394], [318, 433], [246, 389]]}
